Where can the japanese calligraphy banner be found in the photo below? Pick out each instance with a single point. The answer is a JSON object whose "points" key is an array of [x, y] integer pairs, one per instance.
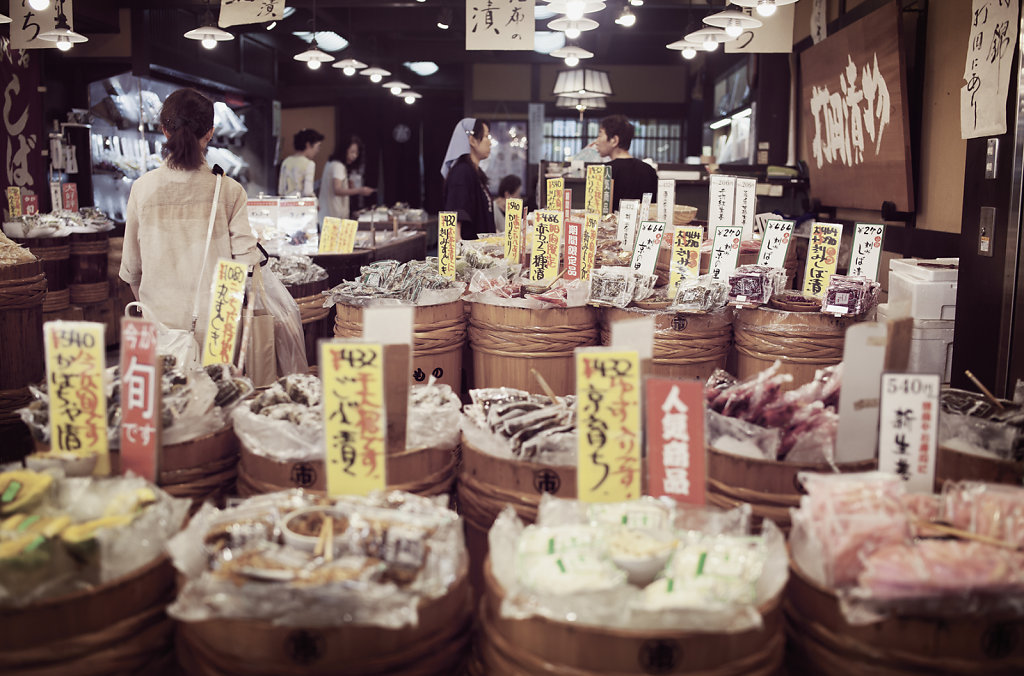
{"points": [[21, 133], [629, 212], [355, 417], [589, 249], [594, 195], [867, 250], [822, 257], [227, 296], [675, 439], [987, 69], [608, 414], [546, 249], [573, 249], [908, 428], [774, 36], [75, 354], [685, 261], [503, 25], [648, 246], [330, 235], [853, 110], [725, 250], [555, 193], [721, 201], [447, 236], [513, 230], [666, 200], [27, 24], [238, 12], [775, 243], [141, 423], [744, 209]]}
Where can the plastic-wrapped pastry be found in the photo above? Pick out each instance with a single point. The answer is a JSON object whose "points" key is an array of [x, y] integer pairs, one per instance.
{"points": [[849, 295], [703, 294], [755, 284]]}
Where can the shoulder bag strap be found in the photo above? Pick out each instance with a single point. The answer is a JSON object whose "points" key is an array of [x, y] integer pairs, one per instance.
{"points": [[206, 249]]}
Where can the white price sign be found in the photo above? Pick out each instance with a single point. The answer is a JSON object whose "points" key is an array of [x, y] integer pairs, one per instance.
{"points": [[666, 200], [746, 199], [721, 200], [645, 207], [867, 250], [648, 245], [775, 243], [908, 428], [725, 249], [629, 212]]}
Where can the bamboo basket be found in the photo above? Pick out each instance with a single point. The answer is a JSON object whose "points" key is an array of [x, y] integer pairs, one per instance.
{"points": [[685, 346], [439, 332], [540, 646], [953, 465], [119, 627], [22, 293], [55, 254], [435, 646], [821, 641], [316, 319], [89, 253], [770, 487], [508, 342]]}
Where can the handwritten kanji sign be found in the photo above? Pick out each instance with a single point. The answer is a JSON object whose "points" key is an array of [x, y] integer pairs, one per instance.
{"points": [[608, 415], [447, 236], [675, 439], [589, 249], [69, 196], [721, 201], [555, 193], [141, 422], [355, 419], [573, 249], [629, 212], [685, 261], [74, 376], [566, 205], [594, 196], [666, 200], [227, 296], [544, 256], [506, 25], [746, 202], [348, 235], [238, 12], [513, 230], [725, 250], [775, 243], [30, 205], [822, 257], [867, 250], [908, 427], [330, 235], [987, 69], [14, 201], [27, 24], [648, 246]]}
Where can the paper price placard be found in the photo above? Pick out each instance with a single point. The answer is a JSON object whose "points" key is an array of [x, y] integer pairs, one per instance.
{"points": [[348, 235], [725, 249], [648, 246], [744, 210], [75, 354], [775, 243], [666, 200], [597, 176], [606, 195], [867, 250], [589, 248], [721, 201], [227, 296], [355, 417], [330, 235], [566, 205], [141, 424], [822, 257], [447, 234], [645, 207], [908, 428], [513, 230], [14, 201], [30, 205], [608, 415], [69, 196], [675, 439], [685, 261], [544, 256], [556, 186], [629, 211], [573, 249]]}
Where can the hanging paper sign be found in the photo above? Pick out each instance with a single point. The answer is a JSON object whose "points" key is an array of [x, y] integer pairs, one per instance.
{"points": [[822, 258], [330, 235], [594, 202], [29, 205], [503, 26], [228, 293], [775, 243], [686, 241], [725, 249], [648, 246], [141, 424], [666, 200], [746, 201], [988, 68], [238, 12], [348, 235], [629, 210], [567, 204], [556, 188], [573, 249], [447, 234], [608, 415], [27, 24], [867, 250], [14, 201], [355, 419], [774, 36], [513, 230], [908, 426], [589, 248], [675, 439], [721, 200], [545, 252], [55, 195], [75, 360], [645, 207]]}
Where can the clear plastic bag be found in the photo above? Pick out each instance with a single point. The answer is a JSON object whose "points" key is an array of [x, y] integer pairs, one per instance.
{"points": [[289, 342], [180, 344]]}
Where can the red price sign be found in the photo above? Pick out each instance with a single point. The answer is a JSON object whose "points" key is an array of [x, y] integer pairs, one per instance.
{"points": [[29, 205], [140, 398], [675, 439], [69, 196]]}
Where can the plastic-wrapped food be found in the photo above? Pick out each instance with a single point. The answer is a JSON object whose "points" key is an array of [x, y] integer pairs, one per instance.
{"points": [[293, 270], [755, 284], [970, 423], [387, 282], [993, 510], [611, 287], [703, 294], [509, 422], [849, 295]]}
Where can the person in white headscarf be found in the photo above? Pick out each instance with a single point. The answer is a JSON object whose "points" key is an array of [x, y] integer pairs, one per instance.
{"points": [[465, 186]]}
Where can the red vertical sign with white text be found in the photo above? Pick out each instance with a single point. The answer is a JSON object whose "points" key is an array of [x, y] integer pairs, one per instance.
{"points": [[69, 196], [573, 238], [675, 439], [140, 399]]}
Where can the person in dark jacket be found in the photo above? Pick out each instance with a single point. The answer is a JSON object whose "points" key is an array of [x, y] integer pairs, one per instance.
{"points": [[465, 186], [632, 177]]}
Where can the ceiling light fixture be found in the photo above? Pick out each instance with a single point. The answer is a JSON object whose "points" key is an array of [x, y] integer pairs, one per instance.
{"points": [[627, 19], [733, 22], [375, 74], [584, 83], [410, 97], [572, 55], [4, 19], [62, 33], [444, 19], [207, 33], [709, 38], [395, 86], [422, 68], [763, 7], [687, 48], [572, 27], [313, 56], [349, 66], [39, 5], [271, 25], [573, 9], [637, 3]]}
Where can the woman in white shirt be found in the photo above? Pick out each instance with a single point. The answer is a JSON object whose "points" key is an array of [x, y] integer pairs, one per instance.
{"points": [[338, 184], [297, 170]]}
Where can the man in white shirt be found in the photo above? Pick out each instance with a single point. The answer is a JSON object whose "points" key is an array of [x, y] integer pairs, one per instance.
{"points": [[297, 170]]}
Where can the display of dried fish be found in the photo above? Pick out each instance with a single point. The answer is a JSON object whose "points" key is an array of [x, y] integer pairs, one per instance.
{"points": [[13, 254], [532, 424], [755, 284], [293, 270], [703, 294], [389, 280], [850, 295]]}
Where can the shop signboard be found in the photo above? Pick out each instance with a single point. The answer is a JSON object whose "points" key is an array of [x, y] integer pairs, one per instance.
{"points": [[675, 439], [141, 425], [226, 298], [500, 25], [21, 131], [987, 70], [239, 12]]}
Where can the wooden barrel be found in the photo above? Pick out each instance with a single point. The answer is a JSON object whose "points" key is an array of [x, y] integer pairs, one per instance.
{"points": [[89, 267], [539, 646], [436, 645], [343, 267], [316, 319], [202, 469], [685, 346], [119, 627], [22, 291], [439, 332], [822, 642], [55, 254], [953, 465], [803, 341], [507, 342], [770, 487]]}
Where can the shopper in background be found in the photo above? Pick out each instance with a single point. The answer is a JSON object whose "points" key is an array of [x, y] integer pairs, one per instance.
{"points": [[511, 187], [297, 170], [465, 186], [342, 179], [168, 217], [632, 177]]}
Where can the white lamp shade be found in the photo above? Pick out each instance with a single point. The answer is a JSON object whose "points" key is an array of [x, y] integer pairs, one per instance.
{"points": [[395, 84], [349, 63], [582, 83], [566, 52], [562, 6], [730, 18], [206, 33], [709, 35], [680, 45], [566, 25], [755, 3], [313, 54], [372, 71], [594, 102], [4, 19]]}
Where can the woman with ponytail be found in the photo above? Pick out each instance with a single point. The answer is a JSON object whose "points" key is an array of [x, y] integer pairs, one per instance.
{"points": [[168, 218], [465, 184]]}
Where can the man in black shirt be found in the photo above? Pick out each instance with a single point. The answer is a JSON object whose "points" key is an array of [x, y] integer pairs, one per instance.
{"points": [[632, 177]]}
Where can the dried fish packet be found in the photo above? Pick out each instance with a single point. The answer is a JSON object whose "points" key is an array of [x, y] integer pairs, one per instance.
{"points": [[755, 284], [848, 295], [700, 295], [611, 287]]}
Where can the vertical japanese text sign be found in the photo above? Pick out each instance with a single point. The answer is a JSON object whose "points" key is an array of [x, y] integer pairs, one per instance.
{"points": [[721, 200], [29, 23], [74, 377], [988, 68], [775, 243], [589, 248], [629, 212], [675, 439], [648, 247], [141, 425], [330, 235], [594, 198], [555, 193], [226, 300], [725, 249], [567, 205], [908, 428], [30, 205], [348, 235], [505, 25], [355, 419], [69, 196], [14, 201], [746, 200], [447, 234], [666, 200], [685, 261], [513, 230], [822, 257], [547, 230], [573, 249], [608, 415], [867, 250]]}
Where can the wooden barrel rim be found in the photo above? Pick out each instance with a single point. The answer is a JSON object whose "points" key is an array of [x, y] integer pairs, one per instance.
{"points": [[92, 292], [92, 248], [954, 465], [741, 464], [25, 292], [192, 453], [693, 347], [437, 329], [57, 300], [529, 342], [308, 289], [61, 252]]}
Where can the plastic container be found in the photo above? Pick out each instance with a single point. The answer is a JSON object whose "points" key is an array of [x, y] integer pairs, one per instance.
{"points": [[927, 286], [931, 342]]}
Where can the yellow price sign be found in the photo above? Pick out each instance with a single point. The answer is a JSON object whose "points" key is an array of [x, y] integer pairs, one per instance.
{"points": [[447, 235], [355, 419], [75, 360], [348, 236], [608, 419], [547, 245], [822, 257], [555, 193], [593, 195], [330, 235], [513, 230], [227, 297], [589, 246], [14, 201], [685, 260]]}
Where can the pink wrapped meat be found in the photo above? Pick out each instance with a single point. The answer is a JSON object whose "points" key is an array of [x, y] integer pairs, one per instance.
{"points": [[995, 510]]}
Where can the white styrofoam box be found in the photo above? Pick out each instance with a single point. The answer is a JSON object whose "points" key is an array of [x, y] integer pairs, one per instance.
{"points": [[928, 287], [931, 342]]}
